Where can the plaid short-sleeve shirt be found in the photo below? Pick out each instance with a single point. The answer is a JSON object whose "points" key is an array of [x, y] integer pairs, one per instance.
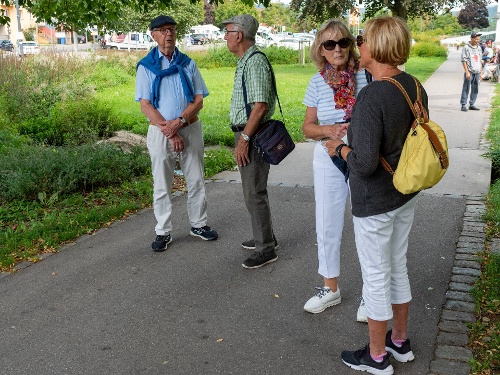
{"points": [[258, 83]]}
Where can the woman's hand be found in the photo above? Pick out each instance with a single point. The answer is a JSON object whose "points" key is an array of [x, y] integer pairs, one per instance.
{"points": [[331, 145], [335, 131]]}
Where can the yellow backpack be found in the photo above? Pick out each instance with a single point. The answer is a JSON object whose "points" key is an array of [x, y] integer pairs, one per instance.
{"points": [[424, 158]]}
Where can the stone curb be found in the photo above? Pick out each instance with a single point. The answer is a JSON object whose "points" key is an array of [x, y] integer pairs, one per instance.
{"points": [[451, 356]]}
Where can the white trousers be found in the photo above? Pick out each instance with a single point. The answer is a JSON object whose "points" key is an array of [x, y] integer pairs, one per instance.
{"points": [[382, 244], [330, 192], [163, 160]]}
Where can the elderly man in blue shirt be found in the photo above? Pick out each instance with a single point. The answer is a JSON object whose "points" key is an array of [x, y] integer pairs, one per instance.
{"points": [[170, 90]]}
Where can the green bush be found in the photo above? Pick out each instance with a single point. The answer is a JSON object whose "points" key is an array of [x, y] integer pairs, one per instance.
{"points": [[429, 49], [28, 171], [71, 123]]}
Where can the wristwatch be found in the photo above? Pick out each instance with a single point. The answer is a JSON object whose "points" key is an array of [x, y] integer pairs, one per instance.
{"points": [[338, 150], [245, 137], [183, 120]]}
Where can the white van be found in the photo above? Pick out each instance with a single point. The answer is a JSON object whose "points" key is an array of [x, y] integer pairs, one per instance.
{"points": [[131, 41], [213, 32]]}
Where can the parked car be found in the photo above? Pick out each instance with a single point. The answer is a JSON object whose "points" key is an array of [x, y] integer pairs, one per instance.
{"points": [[30, 48], [293, 43], [6, 45], [304, 36], [199, 39]]}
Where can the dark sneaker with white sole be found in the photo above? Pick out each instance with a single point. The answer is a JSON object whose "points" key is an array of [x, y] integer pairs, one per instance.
{"points": [[161, 242], [401, 354], [205, 233], [259, 259], [250, 244], [361, 360]]}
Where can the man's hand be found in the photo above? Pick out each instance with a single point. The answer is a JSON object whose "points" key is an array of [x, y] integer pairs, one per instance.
{"points": [[241, 151], [171, 127], [177, 142]]}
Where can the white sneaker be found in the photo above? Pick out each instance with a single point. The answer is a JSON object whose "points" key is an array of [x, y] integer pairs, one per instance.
{"points": [[323, 299], [361, 315]]}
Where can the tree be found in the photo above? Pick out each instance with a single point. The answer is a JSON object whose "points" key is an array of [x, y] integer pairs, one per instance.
{"points": [[474, 15], [81, 13], [276, 15], [232, 8], [321, 10]]}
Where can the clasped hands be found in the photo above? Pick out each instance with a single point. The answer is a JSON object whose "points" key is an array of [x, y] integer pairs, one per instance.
{"points": [[169, 129], [334, 134]]}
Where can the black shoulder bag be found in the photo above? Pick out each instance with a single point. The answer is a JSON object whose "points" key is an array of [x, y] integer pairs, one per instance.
{"points": [[271, 139]]}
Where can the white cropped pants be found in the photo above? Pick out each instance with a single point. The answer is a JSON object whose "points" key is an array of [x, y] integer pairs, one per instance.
{"points": [[330, 192], [382, 244]]}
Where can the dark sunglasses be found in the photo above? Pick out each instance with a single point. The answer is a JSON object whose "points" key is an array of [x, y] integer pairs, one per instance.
{"points": [[359, 40], [330, 45]]}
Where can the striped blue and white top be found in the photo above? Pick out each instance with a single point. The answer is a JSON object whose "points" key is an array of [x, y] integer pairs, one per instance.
{"points": [[319, 95]]}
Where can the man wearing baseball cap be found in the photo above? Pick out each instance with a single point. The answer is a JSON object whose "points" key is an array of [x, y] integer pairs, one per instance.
{"points": [[170, 90], [246, 116], [471, 61]]}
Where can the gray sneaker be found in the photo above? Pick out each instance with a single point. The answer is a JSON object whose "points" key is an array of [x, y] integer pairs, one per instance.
{"points": [[259, 259]]}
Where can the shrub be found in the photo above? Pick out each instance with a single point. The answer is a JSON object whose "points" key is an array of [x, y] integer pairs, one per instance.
{"points": [[28, 171], [218, 160], [428, 49], [71, 123]]}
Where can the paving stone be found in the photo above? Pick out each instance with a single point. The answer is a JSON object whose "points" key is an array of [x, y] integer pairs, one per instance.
{"points": [[459, 296], [466, 271], [467, 264], [459, 306], [470, 239], [453, 326], [473, 257], [452, 338], [467, 279], [445, 367], [454, 353], [458, 316], [461, 287], [4, 274], [465, 247]]}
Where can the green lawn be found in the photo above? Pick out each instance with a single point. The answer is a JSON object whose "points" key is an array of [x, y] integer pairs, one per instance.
{"points": [[291, 80]]}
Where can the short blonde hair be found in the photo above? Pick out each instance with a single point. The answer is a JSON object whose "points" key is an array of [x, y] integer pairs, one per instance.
{"points": [[388, 39], [334, 25]]}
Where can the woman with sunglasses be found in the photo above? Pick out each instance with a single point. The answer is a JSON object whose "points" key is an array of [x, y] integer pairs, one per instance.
{"points": [[382, 216], [329, 98]]}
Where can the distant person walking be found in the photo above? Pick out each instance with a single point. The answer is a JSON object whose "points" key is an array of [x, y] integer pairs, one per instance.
{"points": [[170, 89], [247, 115], [471, 61]]}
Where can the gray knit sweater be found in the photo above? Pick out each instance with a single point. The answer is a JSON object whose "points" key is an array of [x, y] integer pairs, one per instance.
{"points": [[381, 120]]}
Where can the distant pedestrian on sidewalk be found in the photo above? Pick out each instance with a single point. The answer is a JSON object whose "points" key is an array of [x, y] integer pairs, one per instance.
{"points": [[471, 61], [170, 90], [261, 101], [329, 98], [382, 216]]}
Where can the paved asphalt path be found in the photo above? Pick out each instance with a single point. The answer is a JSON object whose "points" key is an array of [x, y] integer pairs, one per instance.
{"points": [[108, 305]]}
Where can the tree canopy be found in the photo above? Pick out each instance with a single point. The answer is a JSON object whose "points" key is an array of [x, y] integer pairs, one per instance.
{"points": [[103, 13], [321, 10], [474, 15]]}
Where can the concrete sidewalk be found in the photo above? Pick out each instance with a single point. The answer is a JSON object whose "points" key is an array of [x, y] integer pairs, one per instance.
{"points": [[108, 305]]}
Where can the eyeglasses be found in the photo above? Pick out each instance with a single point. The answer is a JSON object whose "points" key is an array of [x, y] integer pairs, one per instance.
{"points": [[359, 40], [230, 31], [330, 45], [167, 30]]}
